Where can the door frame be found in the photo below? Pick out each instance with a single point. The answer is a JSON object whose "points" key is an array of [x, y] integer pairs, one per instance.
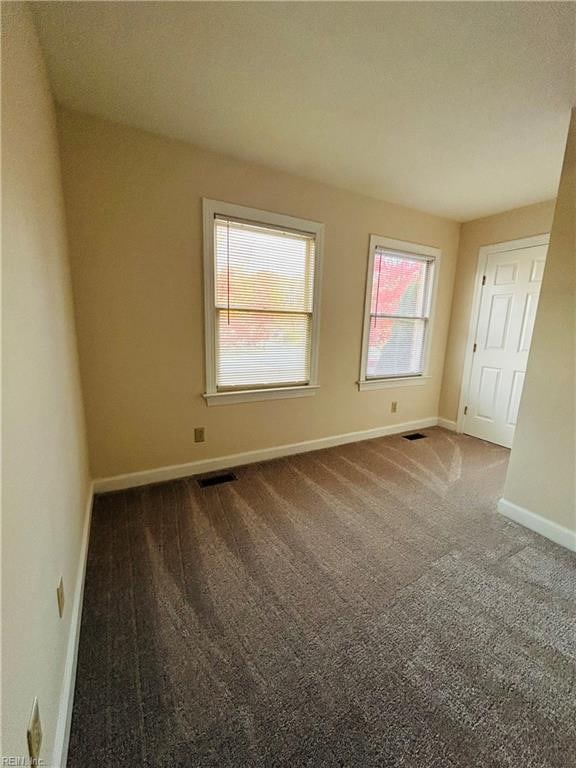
{"points": [[483, 254]]}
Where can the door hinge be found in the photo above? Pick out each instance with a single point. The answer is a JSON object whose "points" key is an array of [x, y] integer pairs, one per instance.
{"points": [[465, 410], [483, 279], [475, 347]]}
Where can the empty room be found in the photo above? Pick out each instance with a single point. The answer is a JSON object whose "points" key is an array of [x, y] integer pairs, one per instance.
{"points": [[288, 384]]}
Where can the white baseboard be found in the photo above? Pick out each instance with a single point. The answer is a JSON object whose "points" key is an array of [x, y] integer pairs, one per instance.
{"points": [[557, 533], [447, 424], [62, 735], [161, 474]]}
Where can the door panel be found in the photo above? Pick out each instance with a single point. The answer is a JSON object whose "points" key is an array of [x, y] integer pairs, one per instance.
{"points": [[488, 393], [498, 321], [515, 395], [528, 317], [537, 269], [504, 331], [505, 274]]}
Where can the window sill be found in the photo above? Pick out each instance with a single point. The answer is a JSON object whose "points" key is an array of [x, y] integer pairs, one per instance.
{"points": [[251, 395], [401, 381]]}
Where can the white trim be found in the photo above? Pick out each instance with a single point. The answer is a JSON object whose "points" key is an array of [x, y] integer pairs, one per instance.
{"points": [[249, 395], [413, 249], [516, 245], [161, 474], [62, 734], [400, 381], [557, 533], [447, 424], [210, 208], [484, 252]]}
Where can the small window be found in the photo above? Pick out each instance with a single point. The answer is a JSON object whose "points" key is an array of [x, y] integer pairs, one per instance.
{"points": [[399, 294], [262, 273]]}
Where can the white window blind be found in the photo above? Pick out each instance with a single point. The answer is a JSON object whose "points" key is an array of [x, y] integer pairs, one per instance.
{"points": [[399, 313], [264, 296]]}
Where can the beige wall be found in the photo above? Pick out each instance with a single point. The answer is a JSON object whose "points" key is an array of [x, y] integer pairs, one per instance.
{"points": [[542, 470], [511, 225], [45, 479], [134, 213]]}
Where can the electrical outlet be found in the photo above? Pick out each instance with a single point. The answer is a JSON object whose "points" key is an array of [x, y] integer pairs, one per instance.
{"points": [[199, 435], [60, 597], [34, 734], [393, 406]]}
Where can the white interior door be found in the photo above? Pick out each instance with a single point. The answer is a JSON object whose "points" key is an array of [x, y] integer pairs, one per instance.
{"points": [[508, 303]]}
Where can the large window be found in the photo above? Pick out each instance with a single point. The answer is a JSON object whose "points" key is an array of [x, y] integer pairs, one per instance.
{"points": [[262, 274], [399, 296]]}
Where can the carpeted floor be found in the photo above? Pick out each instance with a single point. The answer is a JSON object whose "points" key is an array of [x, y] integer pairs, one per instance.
{"points": [[358, 606]]}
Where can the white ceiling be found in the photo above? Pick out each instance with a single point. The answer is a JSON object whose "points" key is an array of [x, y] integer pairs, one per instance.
{"points": [[459, 109]]}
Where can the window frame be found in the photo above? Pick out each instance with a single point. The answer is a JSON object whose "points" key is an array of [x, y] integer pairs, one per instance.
{"points": [[210, 209], [410, 249]]}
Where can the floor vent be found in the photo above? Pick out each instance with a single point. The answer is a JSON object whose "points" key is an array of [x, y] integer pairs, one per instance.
{"points": [[414, 436], [223, 477]]}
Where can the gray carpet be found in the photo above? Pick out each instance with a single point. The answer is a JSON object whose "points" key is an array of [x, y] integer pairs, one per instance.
{"points": [[359, 606]]}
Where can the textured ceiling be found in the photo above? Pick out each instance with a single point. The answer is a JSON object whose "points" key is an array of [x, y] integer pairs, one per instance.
{"points": [[459, 109]]}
